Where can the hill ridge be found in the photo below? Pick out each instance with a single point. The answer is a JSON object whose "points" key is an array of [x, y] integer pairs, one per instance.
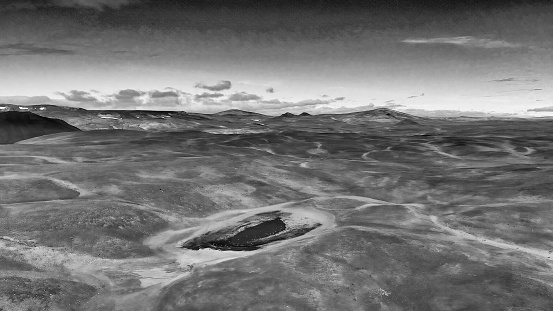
{"points": [[16, 126]]}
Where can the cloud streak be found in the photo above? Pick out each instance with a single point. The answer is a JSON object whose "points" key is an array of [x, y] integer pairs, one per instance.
{"points": [[128, 99], [504, 80], [220, 86], [541, 109], [465, 41], [26, 100], [393, 105], [31, 49], [159, 94], [95, 4], [177, 100], [252, 102], [208, 95]]}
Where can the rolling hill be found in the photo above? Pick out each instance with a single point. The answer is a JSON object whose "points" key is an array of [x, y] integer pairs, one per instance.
{"points": [[16, 126]]}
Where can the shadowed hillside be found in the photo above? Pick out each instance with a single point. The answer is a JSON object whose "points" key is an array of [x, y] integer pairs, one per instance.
{"points": [[16, 126]]}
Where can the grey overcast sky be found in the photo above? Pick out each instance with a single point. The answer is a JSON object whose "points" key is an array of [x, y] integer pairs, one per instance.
{"points": [[275, 56]]}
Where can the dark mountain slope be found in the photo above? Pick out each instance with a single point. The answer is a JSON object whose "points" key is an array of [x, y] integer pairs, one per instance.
{"points": [[16, 126]]}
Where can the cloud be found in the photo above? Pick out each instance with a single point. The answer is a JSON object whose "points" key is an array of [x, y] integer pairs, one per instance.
{"points": [[78, 96], [415, 96], [277, 106], [343, 109], [504, 80], [170, 99], [94, 4], [26, 100], [312, 102], [220, 86], [270, 90], [392, 105], [243, 97], [519, 90], [159, 94], [88, 100], [273, 106], [465, 41], [31, 49], [208, 95], [128, 99], [541, 109], [128, 94]]}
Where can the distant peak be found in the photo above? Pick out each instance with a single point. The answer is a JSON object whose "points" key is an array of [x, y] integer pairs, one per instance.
{"points": [[287, 115], [237, 112], [384, 113]]}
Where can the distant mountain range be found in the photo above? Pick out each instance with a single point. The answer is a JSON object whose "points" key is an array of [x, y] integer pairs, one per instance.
{"points": [[23, 122], [379, 113]]}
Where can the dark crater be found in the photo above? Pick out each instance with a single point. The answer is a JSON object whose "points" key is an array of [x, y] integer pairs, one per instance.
{"points": [[251, 233]]}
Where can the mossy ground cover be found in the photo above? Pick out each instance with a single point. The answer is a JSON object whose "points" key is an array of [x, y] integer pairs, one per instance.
{"points": [[43, 294], [101, 229]]}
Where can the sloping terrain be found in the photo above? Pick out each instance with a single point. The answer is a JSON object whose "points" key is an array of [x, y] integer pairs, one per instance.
{"points": [[16, 126], [317, 214]]}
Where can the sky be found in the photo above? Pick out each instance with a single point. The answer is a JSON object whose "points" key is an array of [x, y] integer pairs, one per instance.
{"points": [[427, 57]]}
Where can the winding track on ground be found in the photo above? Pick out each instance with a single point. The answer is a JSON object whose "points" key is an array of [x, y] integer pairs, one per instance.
{"points": [[415, 209], [506, 246]]}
